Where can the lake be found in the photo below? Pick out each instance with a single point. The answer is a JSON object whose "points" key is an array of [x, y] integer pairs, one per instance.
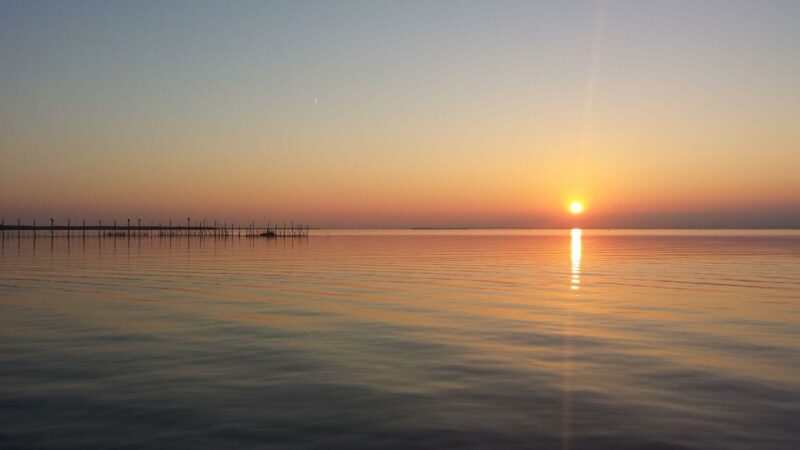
{"points": [[561, 339]]}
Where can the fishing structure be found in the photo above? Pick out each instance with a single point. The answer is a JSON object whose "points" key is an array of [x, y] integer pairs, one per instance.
{"points": [[198, 228]]}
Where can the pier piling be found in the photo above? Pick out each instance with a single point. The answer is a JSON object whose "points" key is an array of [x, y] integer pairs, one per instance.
{"points": [[200, 228]]}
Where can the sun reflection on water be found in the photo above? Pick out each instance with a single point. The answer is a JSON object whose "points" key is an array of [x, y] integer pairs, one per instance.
{"points": [[566, 374], [576, 259]]}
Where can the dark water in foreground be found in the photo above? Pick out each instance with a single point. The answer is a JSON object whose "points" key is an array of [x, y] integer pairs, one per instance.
{"points": [[403, 340]]}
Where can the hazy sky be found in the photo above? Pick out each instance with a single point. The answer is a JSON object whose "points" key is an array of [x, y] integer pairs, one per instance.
{"points": [[430, 113]]}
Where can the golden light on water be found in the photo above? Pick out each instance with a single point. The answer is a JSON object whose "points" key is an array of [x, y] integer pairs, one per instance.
{"points": [[576, 258], [576, 207], [576, 249]]}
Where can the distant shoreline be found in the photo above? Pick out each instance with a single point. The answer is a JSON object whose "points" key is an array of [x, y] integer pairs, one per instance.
{"points": [[443, 228]]}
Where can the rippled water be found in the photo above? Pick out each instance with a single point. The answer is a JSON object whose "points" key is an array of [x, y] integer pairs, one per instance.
{"points": [[473, 339]]}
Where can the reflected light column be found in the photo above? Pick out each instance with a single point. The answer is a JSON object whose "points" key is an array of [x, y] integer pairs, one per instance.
{"points": [[576, 259], [566, 373]]}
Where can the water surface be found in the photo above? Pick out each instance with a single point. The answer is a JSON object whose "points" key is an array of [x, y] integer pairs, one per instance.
{"points": [[403, 339]]}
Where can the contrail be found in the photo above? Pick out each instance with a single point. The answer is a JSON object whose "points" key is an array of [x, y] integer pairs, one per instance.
{"points": [[587, 113]]}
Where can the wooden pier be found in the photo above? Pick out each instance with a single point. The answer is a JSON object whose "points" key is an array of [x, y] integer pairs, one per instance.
{"points": [[197, 229]]}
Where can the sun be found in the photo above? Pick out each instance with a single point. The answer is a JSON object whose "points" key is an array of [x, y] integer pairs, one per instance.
{"points": [[576, 208]]}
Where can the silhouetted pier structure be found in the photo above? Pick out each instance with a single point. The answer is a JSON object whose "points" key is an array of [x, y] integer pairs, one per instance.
{"points": [[188, 228]]}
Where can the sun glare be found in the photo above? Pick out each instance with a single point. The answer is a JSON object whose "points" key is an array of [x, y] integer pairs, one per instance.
{"points": [[576, 207]]}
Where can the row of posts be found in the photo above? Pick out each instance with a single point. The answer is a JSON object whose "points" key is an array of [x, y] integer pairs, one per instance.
{"points": [[201, 228]]}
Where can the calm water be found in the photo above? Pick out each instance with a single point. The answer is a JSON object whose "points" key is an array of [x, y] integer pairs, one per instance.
{"points": [[403, 339]]}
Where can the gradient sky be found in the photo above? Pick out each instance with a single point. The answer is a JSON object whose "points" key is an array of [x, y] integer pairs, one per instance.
{"points": [[673, 113]]}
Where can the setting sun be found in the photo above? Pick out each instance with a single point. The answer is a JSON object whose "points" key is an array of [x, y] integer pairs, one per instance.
{"points": [[576, 207]]}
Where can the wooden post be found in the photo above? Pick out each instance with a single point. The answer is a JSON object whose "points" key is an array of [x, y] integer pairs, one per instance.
{"points": [[68, 225], [51, 228], [84, 227]]}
